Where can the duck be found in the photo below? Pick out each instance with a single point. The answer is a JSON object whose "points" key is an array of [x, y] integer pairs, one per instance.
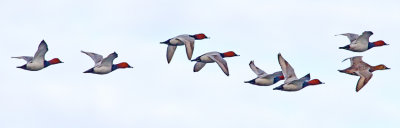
{"points": [[292, 83], [184, 39], [361, 43], [263, 78], [38, 62], [360, 68], [104, 66], [212, 57]]}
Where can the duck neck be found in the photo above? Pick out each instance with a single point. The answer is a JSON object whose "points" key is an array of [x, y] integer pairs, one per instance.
{"points": [[47, 63], [222, 54], [371, 45], [305, 84], [114, 67]]}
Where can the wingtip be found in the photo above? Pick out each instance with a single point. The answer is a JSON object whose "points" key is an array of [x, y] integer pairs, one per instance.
{"points": [[251, 62]]}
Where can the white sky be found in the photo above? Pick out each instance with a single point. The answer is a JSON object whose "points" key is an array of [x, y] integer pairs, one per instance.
{"points": [[155, 94]]}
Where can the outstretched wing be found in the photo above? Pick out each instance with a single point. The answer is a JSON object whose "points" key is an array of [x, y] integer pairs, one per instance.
{"points": [[287, 70], [354, 60], [170, 52], [198, 66], [365, 76], [42, 50], [189, 44], [256, 70], [221, 62], [96, 57], [26, 58], [108, 61], [352, 37]]}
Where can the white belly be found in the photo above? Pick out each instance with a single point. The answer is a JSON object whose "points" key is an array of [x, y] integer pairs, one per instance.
{"points": [[291, 87], [264, 81], [102, 70], [35, 66], [358, 47]]}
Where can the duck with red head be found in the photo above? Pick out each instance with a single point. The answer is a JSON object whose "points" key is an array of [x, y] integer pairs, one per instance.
{"points": [[263, 78], [362, 69], [212, 57], [292, 83], [104, 66], [38, 62], [185, 39], [361, 43]]}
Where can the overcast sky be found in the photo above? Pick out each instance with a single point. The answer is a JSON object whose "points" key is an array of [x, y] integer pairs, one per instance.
{"points": [[155, 94]]}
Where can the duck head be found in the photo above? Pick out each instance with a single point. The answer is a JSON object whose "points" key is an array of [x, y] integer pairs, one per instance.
{"points": [[379, 67], [55, 61], [315, 82], [312, 82], [123, 65], [229, 54], [380, 43], [199, 36]]}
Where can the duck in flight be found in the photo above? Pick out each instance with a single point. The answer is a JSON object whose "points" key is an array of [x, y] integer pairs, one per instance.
{"points": [[185, 39], [359, 68], [38, 62], [104, 66]]}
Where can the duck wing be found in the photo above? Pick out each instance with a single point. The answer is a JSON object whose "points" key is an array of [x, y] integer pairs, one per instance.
{"points": [[352, 37], [108, 61], [170, 52], [189, 44], [26, 58], [365, 76], [257, 70], [95, 57], [221, 62], [41, 52], [354, 60], [198, 66], [287, 70]]}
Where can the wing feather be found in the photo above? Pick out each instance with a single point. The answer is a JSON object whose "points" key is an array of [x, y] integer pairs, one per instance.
{"points": [[221, 62], [287, 70]]}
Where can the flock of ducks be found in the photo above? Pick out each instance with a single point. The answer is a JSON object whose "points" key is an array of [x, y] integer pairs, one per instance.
{"points": [[358, 43]]}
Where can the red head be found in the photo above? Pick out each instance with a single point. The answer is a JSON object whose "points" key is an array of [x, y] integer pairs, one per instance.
{"points": [[380, 43], [55, 61], [282, 77], [229, 54], [200, 36], [123, 65], [314, 82], [378, 67]]}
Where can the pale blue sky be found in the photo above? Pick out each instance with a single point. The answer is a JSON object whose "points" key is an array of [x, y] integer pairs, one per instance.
{"points": [[155, 94]]}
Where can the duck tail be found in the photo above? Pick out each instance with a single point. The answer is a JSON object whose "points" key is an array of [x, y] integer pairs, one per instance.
{"points": [[342, 71], [251, 81], [278, 88], [345, 47], [89, 71]]}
